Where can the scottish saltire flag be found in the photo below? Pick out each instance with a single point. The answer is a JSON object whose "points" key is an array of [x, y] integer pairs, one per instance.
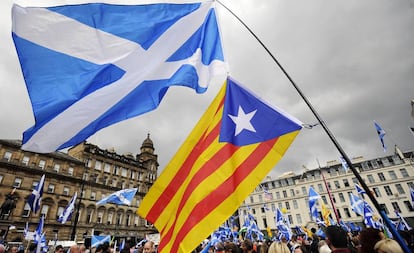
{"points": [[283, 229], [97, 240], [381, 133], [39, 230], [236, 143], [368, 217], [113, 62], [313, 200], [35, 199], [67, 213], [121, 197], [412, 196], [357, 204], [345, 165], [359, 189], [402, 223]]}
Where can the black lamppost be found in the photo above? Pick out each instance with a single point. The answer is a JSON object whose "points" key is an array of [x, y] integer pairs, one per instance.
{"points": [[73, 235]]}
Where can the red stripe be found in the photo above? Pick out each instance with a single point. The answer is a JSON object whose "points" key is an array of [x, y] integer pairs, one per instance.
{"points": [[221, 193], [179, 178]]}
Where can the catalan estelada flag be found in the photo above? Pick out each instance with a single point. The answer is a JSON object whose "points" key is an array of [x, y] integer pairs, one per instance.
{"points": [[236, 143]]}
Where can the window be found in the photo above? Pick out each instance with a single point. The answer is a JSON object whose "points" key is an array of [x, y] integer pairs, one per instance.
{"points": [[320, 188], [1, 179], [110, 218], [280, 205], [124, 172], [408, 206], [277, 195], [45, 210], [136, 221], [56, 168], [324, 200], [26, 210], [99, 218], [290, 218], [51, 188], [410, 185], [404, 173], [304, 192], [260, 198], [284, 194], [66, 190], [42, 164], [388, 190], [298, 219], [17, 182], [25, 160], [396, 206], [273, 206], [128, 219], [337, 185], [253, 211], [384, 207], [381, 176], [370, 179], [392, 174], [341, 197], [292, 192], [60, 211], [7, 156], [98, 165], [85, 176], [89, 215], [107, 168], [263, 209], [264, 222], [295, 204], [385, 162], [287, 205], [70, 171], [399, 189], [346, 183], [376, 192], [329, 185], [347, 213]]}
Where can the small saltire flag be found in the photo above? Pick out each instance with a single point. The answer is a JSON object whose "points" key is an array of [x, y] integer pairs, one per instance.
{"points": [[121, 197], [35, 199], [283, 229], [357, 204], [112, 63], [67, 213], [313, 200], [368, 217], [345, 165], [381, 133], [402, 223], [39, 230], [359, 189], [97, 240], [233, 147]]}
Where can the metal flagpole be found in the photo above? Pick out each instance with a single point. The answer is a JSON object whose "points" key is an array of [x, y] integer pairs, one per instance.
{"points": [[381, 210], [329, 194]]}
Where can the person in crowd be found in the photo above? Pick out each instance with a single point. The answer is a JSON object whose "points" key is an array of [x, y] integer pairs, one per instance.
{"points": [[262, 247], [2, 248], [368, 237], [278, 247], [388, 245], [74, 249], [247, 246], [219, 247], [337, 239], [59, 248], [230, 247], [13, 249], [323, 247], [149, 247]]}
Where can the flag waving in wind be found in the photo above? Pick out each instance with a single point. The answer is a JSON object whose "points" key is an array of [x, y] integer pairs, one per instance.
{"points": [[67, 213], [313, 200], [112, 63], [35, 199], [122, 197], [233, 147], [381, 134]]}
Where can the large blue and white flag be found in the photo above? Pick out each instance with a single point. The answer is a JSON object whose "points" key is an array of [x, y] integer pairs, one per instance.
{"points": [[357, 204], [67, 213], [122, 197], [402, 224], [313, 200], [39, 230], [97, 240], [111, 63], [381, 133], [35, 199], [283, 228]]}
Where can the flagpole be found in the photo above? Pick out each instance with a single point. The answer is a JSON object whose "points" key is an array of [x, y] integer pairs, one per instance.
{"points": [[73, 234], [329, 194], [381, 210]]}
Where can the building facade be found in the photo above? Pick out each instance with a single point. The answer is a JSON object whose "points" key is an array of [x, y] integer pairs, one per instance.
{"points": [[86, 169], [389, 179]]}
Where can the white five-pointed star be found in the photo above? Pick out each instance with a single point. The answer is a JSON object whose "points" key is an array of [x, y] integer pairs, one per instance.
{"points": [[242, 121]]}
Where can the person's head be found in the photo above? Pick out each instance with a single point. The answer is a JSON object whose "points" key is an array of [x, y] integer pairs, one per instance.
{"points": [[219, 247], [336, 237], [230, 247], [59, 248], [387, 246], [368, 237], [148, 247], [74, 249], [2, 248], [247, 245], [278, 247], [14, 249]]}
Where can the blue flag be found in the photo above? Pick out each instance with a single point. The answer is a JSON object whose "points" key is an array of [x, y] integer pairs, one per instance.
{"points": [[283, 229], [122, 197], [112, 63], [359, 189], [313, 200], [97, 240], [67, 213], [381, 134], [35, 199], [39, 230], [357, 204], [412, 197], [344, 164]]}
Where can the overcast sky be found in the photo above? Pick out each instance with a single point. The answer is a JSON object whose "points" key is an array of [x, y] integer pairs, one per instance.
{"points": [[353, 60]]}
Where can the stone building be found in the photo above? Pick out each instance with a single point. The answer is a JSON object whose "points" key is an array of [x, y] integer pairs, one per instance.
{"points": [[86, 169]]}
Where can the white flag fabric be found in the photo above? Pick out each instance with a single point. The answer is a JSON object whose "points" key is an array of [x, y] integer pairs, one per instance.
{"points": [[122, 197], [67, 213], [111, 63]]}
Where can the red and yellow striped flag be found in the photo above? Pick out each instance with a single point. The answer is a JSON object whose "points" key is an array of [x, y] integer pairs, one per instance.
{"points": [[236, 143]]}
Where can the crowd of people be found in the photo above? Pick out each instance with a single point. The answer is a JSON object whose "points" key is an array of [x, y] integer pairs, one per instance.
{"points": [[334, 240]]}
